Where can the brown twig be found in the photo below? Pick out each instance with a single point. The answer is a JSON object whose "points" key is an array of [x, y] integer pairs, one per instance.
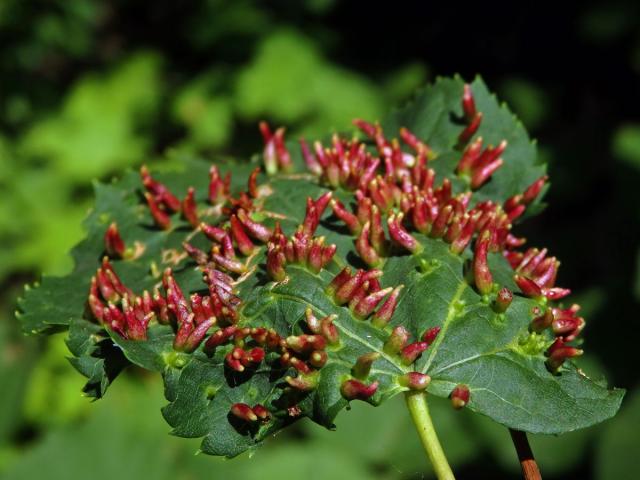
{"points": [[529, 466]]}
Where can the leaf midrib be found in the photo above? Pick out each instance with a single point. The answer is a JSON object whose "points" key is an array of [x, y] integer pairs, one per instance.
{"points": [[451, 315], [344, 329]]}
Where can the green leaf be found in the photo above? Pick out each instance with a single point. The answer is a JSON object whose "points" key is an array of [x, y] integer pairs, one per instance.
{"points": [[94, 356], [487, 351], [495, 354], [435, 115], [201, 407]]}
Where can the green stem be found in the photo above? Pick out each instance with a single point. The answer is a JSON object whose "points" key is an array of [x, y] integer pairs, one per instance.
{"points": [[417, 404]]}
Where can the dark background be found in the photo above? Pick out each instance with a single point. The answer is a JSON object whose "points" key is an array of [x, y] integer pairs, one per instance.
{"points": [[88, 88]]}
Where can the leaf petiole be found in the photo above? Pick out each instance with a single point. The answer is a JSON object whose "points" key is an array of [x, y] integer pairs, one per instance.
{"points": [[528, 463], [417, 405]]}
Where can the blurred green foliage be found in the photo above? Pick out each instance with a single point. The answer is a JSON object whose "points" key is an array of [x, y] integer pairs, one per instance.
{"points": [[290, 80], [45, 173], [621, 435], [88, 88], [626, 144], [97, 127]]}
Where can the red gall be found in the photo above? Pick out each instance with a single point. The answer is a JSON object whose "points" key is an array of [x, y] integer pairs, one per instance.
{"points": [[460, 396]]}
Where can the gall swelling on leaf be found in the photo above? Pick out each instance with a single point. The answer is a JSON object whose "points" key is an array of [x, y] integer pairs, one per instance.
{"points": [[349, 270]]}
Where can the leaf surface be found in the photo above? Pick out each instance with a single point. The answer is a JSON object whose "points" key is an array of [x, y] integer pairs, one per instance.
{"points": [[496, 355]]}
